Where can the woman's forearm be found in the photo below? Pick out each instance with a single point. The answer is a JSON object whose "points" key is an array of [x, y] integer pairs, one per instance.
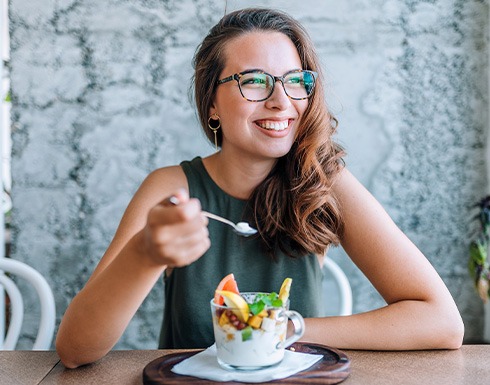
{"points": [[99, 314], [405, 325]]}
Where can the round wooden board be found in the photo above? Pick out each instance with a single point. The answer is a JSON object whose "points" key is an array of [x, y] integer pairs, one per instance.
{"points": [[333, 368]]}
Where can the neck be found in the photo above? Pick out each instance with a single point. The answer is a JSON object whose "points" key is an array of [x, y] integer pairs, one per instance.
{"points": [[237, 177]]}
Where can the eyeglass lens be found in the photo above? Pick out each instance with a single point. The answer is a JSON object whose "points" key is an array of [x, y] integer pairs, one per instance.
{"points": [[257, 85]]}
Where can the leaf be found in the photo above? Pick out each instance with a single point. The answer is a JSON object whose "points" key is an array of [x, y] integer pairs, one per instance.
{"points": [[472, 269], [262, 300], [257, 307], [270, 298], [277, 303], [478, 252]]}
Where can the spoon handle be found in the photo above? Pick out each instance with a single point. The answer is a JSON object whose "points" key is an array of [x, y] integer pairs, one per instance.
{"points": [[218, 218], [174, 201]]}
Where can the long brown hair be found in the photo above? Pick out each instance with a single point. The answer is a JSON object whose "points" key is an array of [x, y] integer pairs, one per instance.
{"points": [[294, 208]]}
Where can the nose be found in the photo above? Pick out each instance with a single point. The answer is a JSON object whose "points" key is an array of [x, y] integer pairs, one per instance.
{"points": [[278, 100]]}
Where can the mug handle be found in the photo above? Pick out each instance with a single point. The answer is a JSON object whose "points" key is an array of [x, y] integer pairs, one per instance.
{"points": [[299, 328]]}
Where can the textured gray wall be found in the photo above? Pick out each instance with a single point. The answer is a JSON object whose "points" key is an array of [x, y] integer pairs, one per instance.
{"points": [[100, 99]]}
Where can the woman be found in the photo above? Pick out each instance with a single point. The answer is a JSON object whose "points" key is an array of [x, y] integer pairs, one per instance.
{"points": [[260, 98]]}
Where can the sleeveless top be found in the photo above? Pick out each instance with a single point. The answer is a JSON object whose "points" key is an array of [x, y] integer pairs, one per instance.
{"points": [[188, 290]]}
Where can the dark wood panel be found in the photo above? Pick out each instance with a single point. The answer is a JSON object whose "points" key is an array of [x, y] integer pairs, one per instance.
{"points": [[333, 368]]}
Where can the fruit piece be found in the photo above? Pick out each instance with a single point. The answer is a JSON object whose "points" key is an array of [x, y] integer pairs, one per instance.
{"points": [[268, 324], [263, 313], [273, 314], [247, 333], [255, 321], [228, 283], [285, 288], [237, 304], [223, 320]]}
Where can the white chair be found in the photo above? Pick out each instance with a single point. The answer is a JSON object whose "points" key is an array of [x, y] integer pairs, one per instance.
{"points": [[342, 284], [48, 310]]}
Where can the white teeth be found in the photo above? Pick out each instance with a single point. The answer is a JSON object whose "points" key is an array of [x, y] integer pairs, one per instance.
{"points": [[274, 125]]}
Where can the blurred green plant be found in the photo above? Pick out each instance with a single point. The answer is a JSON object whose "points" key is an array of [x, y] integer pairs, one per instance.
{"points": [[478, 262]]}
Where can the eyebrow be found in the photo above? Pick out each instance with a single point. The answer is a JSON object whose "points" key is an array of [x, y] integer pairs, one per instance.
{"points": [[262, 70], [252, 69]]}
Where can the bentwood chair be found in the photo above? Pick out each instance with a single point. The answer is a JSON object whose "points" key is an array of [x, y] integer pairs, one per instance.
{"points": [[342, 284], [48, 311]]}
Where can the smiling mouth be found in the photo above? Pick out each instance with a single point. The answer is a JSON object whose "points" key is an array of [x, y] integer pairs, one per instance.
{"points": [[273, 125]]}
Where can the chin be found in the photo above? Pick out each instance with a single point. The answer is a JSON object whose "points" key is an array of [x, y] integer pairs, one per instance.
{"points": [[276, 154]]}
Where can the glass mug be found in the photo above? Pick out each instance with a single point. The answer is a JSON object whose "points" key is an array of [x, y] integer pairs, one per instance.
{"points": [[258, 344]]}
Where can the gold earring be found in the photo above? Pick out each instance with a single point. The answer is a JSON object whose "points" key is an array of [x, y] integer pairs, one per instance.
{"points": [[214, 123]]}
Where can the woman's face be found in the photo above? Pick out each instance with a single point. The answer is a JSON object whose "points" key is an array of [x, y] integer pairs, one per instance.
{"points": [[247, 126]]}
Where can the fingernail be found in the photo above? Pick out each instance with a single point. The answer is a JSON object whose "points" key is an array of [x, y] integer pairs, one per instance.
{"points": [[174, 200]]}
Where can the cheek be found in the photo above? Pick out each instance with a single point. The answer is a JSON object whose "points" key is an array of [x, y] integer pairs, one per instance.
{"points": [[233, 119], [235, 112], [301, 107]]}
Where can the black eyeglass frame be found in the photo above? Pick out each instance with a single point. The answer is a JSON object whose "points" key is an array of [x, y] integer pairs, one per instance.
{"points": [[238, 76]]}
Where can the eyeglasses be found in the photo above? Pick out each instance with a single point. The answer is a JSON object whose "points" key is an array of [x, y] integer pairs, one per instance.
{"points": [[257, 86]]}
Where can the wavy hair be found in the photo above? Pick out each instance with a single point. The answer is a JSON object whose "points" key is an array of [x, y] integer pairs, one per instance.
{"points": [[294, 208]]}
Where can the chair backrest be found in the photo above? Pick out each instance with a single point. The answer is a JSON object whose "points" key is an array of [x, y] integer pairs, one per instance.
{"points": [[48, 310], [343, 286]]}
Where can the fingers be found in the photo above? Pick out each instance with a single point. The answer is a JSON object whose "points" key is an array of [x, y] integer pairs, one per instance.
{"points": [[164, 213], [183, 250], [176, 232], [184, 209], [180, 196], [180, 233]]}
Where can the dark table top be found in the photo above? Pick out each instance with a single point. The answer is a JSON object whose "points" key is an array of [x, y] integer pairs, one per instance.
{"points": [[468, 365]]}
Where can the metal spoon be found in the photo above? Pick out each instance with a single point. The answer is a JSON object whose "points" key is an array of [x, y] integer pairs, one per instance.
{"points": [[241, 228]]}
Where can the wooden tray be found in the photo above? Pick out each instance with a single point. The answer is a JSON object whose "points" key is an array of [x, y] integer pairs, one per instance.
{"points": [[333, 368]]}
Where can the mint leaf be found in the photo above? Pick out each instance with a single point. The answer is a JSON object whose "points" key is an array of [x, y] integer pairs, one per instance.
{"points": [[259, 297], [269, 299], [277, 303], [263, 300], [256, 307]]}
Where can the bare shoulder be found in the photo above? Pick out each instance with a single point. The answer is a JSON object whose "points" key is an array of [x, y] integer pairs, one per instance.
{"points": [[157, 186], [163, 181], [170, 173], [360, 209], [349, 190]]}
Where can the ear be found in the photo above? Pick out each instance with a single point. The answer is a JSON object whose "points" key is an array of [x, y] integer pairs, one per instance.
{"points": [[212, 110]]}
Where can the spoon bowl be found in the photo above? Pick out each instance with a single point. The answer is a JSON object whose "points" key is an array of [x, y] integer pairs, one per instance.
{"points": [[241, 228]]}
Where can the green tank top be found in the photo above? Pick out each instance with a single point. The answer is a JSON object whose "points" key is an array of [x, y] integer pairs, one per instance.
{"points": [[189, 290]]}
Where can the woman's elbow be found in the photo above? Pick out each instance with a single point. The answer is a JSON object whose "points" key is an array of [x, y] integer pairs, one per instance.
{"points": [[450, 333], [67, 355], [456, 334], [68, 364], [71, 355], [67, 358]]}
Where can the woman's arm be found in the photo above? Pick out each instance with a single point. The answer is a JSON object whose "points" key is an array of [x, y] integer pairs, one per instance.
{"points": [[421, 314], [151, 237]]}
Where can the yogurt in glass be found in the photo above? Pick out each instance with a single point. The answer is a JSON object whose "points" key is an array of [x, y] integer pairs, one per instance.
{"points": [[257, 342]]}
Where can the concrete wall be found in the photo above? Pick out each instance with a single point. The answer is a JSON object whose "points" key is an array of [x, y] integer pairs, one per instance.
{"points": [[100, 99]]}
